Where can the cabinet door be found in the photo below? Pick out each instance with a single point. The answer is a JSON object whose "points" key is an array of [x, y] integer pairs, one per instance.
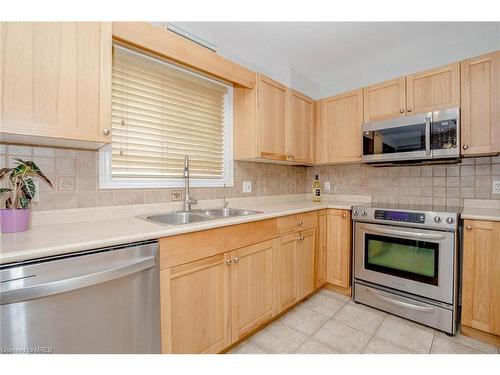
{"points": [[321, 245], [305, 262], [480, 107], [56, 79], [286, 271], [299, 133], [385, 100], [252, 292], [434, 89], [339, 252], [481, 276], [195, 307], [343, 120], [271, 118]]}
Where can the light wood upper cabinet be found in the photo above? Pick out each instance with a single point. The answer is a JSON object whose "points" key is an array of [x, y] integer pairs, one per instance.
{"points": [[252, 289], [385, 100], [340, 123], [56, 82], [339, 251], [195, 306], [480, 109], [299, 130], [481, 276], [433, 89], [272, 122], [271, 118]]}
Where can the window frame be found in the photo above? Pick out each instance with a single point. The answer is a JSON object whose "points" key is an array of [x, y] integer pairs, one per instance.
{"points": [[107, 181]]}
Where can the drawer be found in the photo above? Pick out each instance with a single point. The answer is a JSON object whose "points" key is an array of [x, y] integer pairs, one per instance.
{"points": [[296, 222]]}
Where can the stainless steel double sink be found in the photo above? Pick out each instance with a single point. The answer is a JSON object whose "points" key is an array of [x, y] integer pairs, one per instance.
{"points": [[196, 216]]}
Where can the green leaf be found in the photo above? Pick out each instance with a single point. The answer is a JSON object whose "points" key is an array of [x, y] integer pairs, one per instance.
{"points": [[24, 202], [29, 188], [4, 191], [29, 167]]}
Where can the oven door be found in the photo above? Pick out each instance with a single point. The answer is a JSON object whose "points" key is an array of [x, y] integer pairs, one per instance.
{"points": [[416, 261], [399, 139]]}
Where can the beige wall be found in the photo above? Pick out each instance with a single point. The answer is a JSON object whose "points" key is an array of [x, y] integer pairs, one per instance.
{"points": [[74, 174], [415, 184]]}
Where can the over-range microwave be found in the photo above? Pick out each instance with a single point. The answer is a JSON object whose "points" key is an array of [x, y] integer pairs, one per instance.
{"points": [[421, 137]]}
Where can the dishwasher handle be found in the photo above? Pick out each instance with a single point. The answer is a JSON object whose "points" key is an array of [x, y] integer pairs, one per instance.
{"points": [[59, 286]]}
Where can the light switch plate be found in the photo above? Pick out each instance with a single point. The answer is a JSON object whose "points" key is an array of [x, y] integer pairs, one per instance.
{"points": [[496, 187], [247, 186]]}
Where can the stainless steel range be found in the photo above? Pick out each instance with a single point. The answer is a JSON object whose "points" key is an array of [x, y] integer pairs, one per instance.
{"points": [[406, 262]]}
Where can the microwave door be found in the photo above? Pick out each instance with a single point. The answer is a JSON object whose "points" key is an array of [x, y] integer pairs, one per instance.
{"points": [[398, 139]]}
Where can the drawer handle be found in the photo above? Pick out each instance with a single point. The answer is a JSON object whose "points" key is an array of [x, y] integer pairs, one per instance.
{"points": [[400, 303], [300, 223], [301, 238], [229, 261], [468, 227], [236, 260]]}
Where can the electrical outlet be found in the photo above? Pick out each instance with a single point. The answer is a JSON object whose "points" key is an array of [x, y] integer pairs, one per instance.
{"points": [[496, 187], [247, 186], [176, 195], [328, 187]]}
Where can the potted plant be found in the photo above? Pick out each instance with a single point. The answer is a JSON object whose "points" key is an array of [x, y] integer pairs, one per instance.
{"points": [[18, 194]]}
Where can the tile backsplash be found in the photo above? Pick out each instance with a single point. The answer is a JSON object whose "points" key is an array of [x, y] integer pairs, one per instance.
{"points": [[74, 175], [438, 184]]}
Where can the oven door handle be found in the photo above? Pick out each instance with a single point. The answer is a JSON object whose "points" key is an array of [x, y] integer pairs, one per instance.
{"points": [[400, 303], [391, 232]]}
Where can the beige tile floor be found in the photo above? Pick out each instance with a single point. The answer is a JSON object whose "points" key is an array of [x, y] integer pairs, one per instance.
{"points": [[331, 323]]}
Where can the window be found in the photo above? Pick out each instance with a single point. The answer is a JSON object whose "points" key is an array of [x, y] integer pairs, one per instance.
{"points": [[160, 113]]}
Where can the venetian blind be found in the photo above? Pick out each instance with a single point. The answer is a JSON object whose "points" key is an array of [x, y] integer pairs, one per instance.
{"points": [[161, 112]]}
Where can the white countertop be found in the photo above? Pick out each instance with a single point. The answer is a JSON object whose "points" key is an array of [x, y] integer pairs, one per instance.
{"points": [[49, 237], [481, 209]]}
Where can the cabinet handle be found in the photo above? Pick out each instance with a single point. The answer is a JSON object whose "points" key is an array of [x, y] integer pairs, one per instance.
{"points": [[236, 260], [105, 131], [401, 110], [300, 223], [344, 215], [465, 147], [301, 238], [228, 262], [409, 109], [359, 155], [468, 227]]}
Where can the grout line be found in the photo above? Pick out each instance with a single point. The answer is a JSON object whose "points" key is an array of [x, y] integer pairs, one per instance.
{"points": [[432, 343], [373, 335]]}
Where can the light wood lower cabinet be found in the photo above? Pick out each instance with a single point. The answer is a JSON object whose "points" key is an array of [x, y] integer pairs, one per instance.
{"points": [[305, 262], [339, 250], [481, 276], [321, 249], [286, 275], [195, 306], [252, 291]]}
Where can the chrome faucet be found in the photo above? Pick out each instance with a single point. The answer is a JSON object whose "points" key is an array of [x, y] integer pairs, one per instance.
{"points": [[188, 200]]}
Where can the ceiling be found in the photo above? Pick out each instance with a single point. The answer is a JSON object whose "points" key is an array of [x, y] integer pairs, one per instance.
{"points": [[324, 58]]}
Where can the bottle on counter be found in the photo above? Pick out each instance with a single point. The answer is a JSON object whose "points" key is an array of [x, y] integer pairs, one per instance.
{"points": [[316, 190]]}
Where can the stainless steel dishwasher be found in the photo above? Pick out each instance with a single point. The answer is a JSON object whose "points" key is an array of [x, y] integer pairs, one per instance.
{"points": [[99, 301]]}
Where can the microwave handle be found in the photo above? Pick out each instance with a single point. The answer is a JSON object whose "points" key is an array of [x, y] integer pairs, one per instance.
{"points": [[427, 136]]}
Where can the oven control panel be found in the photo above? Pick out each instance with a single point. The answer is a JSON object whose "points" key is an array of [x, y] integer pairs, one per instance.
{"points": [[407, 217]]}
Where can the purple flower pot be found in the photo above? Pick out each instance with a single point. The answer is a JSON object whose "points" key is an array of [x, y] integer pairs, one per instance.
{"points": [[12, 221]]}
